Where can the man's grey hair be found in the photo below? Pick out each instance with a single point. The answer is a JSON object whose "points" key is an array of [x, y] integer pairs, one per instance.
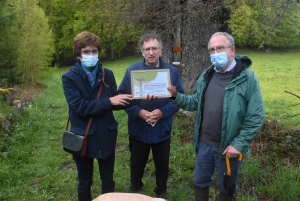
{"points": [[148, 36], [230, 39]]}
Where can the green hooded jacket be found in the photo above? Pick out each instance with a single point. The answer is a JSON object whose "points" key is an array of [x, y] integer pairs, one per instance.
{"points": [[243, 109]]}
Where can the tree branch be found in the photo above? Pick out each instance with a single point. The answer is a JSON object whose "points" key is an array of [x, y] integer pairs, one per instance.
{"points": [[292, 93]]}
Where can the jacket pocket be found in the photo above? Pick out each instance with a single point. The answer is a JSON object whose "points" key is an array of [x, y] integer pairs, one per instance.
{"points": [[242, 102], [112, 125], [110, 135]]}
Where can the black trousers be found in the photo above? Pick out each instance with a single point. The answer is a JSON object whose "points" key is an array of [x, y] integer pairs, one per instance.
{"points": [[139, 157], [85, 175]]}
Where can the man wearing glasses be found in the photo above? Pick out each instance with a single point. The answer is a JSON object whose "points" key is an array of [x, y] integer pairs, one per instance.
{"points": [[230, 113], [150, 122]]}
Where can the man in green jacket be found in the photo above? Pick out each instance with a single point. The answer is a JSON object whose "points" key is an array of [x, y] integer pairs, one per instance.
{"points": [[230, 113]]}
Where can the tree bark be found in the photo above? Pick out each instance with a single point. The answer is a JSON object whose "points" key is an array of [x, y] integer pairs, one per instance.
{"points": [[185, 23]]}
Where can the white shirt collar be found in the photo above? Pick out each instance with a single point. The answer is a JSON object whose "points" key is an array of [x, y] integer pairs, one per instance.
{"points": [[232, 65]]}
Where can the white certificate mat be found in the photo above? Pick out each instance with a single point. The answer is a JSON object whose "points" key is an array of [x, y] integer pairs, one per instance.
{"points": [[150, 82]]}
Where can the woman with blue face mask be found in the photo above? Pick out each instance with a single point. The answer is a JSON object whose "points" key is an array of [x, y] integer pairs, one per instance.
{"points": [[81, 85]]}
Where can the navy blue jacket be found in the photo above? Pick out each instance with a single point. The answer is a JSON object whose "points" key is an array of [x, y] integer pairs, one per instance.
{"points": [[137, 127], [82, 102]]}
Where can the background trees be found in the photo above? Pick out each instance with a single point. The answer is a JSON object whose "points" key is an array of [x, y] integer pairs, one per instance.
{"points": [[8, 47], [39, 33], [190, 23], [187, 24], [271, 23], [104, 18], [26, 42], [35, 43]]}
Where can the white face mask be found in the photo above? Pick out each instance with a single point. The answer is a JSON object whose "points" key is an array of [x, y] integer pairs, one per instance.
{"points": [[89, 61]]}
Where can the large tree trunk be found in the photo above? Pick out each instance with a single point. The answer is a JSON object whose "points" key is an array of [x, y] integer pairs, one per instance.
{"points": [[189, 24], [195, 57], [192, 30]]}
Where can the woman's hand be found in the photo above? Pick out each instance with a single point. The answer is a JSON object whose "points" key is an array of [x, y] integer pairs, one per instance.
{"points": [[121, 99]]}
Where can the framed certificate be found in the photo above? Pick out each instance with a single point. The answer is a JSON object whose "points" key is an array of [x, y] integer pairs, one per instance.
{"points": [[152, 82]]}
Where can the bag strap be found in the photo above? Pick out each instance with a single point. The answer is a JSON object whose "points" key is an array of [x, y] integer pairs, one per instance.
{"points": [[83, 152]]}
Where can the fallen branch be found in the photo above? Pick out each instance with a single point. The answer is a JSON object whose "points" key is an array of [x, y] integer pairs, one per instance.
{"points": [[292, 93]]}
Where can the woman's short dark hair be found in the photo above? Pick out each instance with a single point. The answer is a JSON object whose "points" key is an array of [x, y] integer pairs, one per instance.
{"points": [[84, 39]]}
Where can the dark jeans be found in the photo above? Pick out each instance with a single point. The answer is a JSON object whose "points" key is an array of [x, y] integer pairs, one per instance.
{"points": [[85, 175], [207, 160], [139, 157]]}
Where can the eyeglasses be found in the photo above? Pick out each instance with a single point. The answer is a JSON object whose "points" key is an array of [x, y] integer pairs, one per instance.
{"points": [[154, 49], [88, 52], [218, 49]]}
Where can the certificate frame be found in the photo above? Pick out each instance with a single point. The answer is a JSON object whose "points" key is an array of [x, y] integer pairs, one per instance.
{"points": [[153, 82]]}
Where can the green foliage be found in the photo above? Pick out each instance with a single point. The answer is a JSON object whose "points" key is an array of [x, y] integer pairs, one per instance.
{"points": [[8, 47], [241, 28], [272, 23], [102, 18], [287, 33], [61, 16], [34, 166], [276, 73], [7, 116], [35, 41], [284, 184], [282, 141]]}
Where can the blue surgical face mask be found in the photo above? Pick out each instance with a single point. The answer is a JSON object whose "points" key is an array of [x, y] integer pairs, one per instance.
{"points": [[89, 61], [219, 60]]}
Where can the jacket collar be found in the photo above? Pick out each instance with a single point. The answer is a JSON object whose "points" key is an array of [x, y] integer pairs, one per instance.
{"points": [[160, 62], [242, 62], [81, 73]]}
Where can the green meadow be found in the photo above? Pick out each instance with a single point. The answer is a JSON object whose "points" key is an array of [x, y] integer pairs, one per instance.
{"points": [[277, 73], [35, 167]]}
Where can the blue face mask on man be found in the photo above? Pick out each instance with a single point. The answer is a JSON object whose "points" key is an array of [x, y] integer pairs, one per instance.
{"points": [[219, 60], [89, 61]]}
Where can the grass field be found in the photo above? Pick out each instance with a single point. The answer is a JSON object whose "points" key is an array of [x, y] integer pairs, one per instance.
{"points": [[34, 166], [277, 73]]}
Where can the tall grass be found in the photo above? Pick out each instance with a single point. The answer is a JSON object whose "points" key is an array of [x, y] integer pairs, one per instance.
{"points": [[34, 166], [277, 73]]}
